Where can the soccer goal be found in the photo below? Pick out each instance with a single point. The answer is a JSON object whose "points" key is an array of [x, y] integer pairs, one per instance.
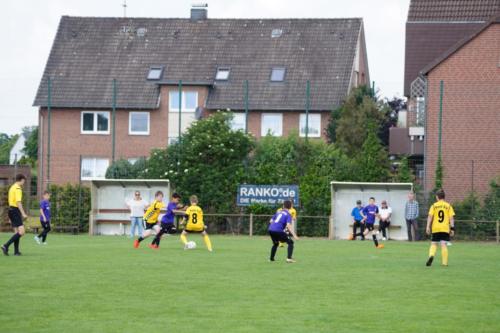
{"points": [[109, 213], [345, 194]]}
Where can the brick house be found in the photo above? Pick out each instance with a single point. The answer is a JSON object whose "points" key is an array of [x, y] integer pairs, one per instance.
{"points": [[212, 57], [470, 135], [433, 28]]}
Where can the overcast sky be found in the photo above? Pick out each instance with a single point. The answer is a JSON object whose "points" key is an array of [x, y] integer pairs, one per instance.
{"points": [[28, 28]]}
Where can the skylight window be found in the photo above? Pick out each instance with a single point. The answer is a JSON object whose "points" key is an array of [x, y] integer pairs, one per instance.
{"points": [[222, 73], [155, 73], [275, 33], [278, 74]]}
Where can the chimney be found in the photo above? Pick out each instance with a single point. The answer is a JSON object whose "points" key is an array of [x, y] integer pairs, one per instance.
{"points": [[199, 12]]}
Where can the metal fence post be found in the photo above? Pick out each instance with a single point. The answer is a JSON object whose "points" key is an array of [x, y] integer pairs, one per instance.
{"points": [[250, 228], [498, 232]]}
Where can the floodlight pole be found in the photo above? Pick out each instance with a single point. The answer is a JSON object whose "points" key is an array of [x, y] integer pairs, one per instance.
{"points": [[113, 137], [246, 106], [180, 108], [49, 116], [440, 120], [308, 96]]}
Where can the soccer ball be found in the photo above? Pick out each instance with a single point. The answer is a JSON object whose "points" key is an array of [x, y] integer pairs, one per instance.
{"points": [[191, 245], [350, 237]]}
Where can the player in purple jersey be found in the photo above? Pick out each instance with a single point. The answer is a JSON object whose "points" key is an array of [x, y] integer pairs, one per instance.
{"points": [[167, 221], [370, 213], [279, 227], [44, 219]]}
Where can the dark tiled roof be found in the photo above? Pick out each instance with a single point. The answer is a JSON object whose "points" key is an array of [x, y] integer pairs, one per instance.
{"points": [[426, 42], [89, 52], [433, 26], [458, 45], [452, 10]]}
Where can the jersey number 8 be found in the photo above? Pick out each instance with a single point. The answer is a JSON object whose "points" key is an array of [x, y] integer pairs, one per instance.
{"points": [[194, 218]]}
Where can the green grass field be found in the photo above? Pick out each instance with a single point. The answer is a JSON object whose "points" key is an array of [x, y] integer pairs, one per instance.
{"points": [[102, 284]]}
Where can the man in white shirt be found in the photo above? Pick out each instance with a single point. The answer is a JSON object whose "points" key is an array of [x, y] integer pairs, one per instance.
{"points": [[385, 218]]}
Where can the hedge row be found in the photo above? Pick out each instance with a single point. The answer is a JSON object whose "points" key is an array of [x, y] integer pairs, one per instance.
{"points": [[70, 205]]}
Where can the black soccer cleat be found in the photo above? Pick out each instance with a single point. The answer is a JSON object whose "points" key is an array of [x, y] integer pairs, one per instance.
{"points": [[17, 253], [5, 250], [429, 261]]}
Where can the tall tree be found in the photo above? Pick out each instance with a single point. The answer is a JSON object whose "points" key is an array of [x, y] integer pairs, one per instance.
{"points": [[6, 146], [373, 161], [404, 173], [350, 124], [31, 143]]}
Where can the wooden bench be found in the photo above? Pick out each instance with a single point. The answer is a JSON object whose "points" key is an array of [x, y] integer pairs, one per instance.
{"points": [[390, 227]]}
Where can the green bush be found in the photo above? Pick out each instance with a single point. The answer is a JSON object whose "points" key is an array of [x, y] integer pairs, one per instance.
{"points": [[123, 169], [70, 205], [208, 161]]}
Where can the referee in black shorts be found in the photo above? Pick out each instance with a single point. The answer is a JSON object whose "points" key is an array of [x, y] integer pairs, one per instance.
{"points": [[16, 215]]}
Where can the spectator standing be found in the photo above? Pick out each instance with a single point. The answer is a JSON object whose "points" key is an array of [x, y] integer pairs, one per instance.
{"points": [[357, 221], [411, 216], [137, 206], [385, 218]]}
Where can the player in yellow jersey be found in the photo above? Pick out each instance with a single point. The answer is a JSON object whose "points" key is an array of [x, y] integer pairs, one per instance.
{"points": [[151, 218], [440, 223], [292, 212], [195, 223], [16, 215]]}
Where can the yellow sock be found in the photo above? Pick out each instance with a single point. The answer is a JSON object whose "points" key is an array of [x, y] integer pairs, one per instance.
{"points": [[207, 241], [432, 250], [184, 239], [444, 255]]}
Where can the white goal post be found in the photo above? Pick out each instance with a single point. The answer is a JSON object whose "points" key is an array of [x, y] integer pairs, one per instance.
{"points": [[345, 194], [109, 213]]}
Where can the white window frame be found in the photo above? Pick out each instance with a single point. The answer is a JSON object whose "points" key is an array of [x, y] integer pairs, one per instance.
{"points": [[94, 168], [302, 124], [221, 70], [95, 131], [176, 94], [130, 132], [233, 124], [264, 131], [420, 111], [278, 68]]}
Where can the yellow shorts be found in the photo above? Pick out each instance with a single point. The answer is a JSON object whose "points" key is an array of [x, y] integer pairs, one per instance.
{"points": [[192, 227]]}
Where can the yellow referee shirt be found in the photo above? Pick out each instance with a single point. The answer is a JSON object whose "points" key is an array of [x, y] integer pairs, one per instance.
{"points": [[15, 195], [441, 213]]}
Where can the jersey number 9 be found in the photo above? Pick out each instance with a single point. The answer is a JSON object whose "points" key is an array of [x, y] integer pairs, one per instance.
{"points": [[441, 216]]}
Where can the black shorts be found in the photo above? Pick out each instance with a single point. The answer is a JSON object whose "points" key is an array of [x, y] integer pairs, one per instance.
{"points": [[15, 217], [168, 228], [149, 226], [440, 237], [45, 225], [370, 226], [279, 236]]}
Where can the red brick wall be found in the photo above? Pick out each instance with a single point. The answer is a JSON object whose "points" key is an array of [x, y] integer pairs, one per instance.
{"points": [[67, 143], [471, 116]]}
